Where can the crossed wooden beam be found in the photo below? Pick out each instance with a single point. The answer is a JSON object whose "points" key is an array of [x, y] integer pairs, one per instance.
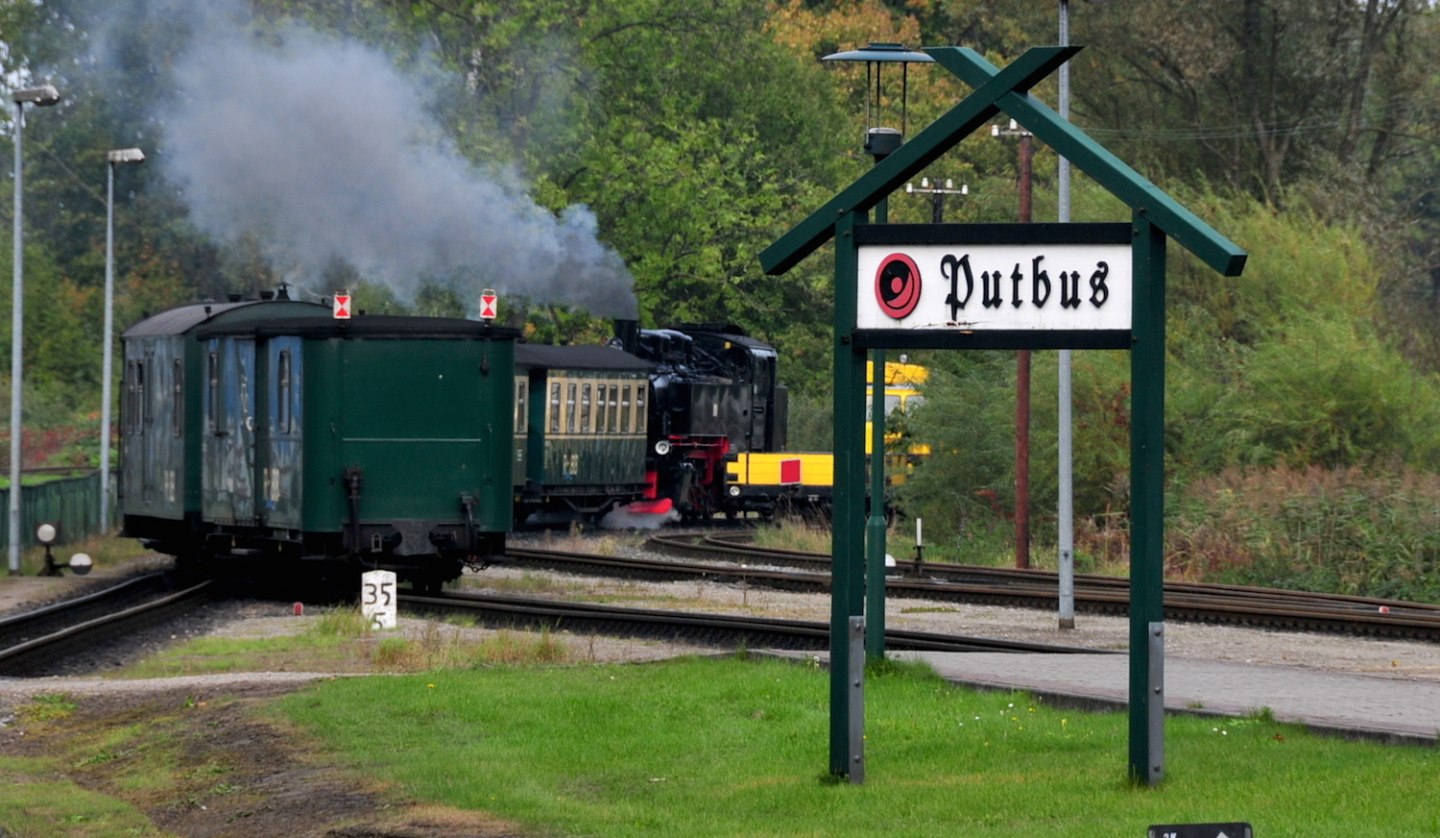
{"points": [[1006, 91]]}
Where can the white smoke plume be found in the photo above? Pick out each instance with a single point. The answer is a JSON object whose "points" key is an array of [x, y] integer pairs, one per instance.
{"points": [[322, 150]]}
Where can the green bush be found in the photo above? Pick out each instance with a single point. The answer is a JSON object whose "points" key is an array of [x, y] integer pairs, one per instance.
{"points": [[1347, 531]]}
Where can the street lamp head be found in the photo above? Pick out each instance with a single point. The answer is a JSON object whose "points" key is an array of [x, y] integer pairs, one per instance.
{"points": [[880, 52], [42, 96], [881, 142], [125, 155]]}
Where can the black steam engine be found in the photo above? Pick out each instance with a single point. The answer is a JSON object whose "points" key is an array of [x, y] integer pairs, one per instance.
{"points": [[714, 394]]}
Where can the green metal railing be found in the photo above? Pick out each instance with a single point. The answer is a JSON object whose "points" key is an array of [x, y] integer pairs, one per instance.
{"points": [[72, 504]]}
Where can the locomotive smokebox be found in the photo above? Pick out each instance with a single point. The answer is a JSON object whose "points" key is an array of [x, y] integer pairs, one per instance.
{"points": [[627, 335]]}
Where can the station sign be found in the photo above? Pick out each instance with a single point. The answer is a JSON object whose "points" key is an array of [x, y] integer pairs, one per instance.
{"points": [[1013, 278], [1202, 830]]}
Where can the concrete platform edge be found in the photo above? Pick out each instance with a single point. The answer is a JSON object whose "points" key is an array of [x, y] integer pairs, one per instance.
{"points": [[1094, 703]]}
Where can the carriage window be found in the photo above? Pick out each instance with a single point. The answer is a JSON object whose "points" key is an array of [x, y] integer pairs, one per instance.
{"points": [[212, 397], [131, 423], [570, 408], [614, 408], [284, 417], [625, 410], [177, 404], [127, 404], [640, 407], [585, 409], [555, 408], [522, 415], [144, 413]]}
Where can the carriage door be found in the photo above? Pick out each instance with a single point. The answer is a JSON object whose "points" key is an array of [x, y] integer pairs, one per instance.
{"points": [[139, 478], [228, 456], [280, 472]]}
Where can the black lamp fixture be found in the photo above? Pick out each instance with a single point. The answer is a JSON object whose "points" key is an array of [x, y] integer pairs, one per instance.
{"points": [[881, 141]]}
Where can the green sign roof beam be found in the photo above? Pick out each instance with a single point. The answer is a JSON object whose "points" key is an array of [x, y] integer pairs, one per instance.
{"points": [[1108, 170], [1006, 90], [912, 157]]}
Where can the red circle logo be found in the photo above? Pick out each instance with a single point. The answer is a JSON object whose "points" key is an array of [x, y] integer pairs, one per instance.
{"points": [[897, 286]]}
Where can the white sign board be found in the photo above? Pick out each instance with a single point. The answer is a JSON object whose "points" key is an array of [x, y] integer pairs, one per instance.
{"points": [[1028, 287], [378, 601]]}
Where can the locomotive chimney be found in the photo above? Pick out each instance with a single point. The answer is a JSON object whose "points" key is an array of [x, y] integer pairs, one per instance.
{"points": [[627, 333]]}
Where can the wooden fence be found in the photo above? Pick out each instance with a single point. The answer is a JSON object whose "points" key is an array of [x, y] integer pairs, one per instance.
{"points": [[72, 504]]}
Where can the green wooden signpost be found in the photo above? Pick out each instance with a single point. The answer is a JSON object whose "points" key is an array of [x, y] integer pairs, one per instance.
{"points": [[1155, 219]]}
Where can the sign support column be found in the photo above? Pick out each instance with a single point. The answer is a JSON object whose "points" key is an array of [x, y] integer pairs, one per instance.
{"points": [[875, 525], [1147, 505]]}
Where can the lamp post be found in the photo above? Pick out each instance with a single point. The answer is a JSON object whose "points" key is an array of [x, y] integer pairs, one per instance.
{"points": [[937, 195], [1022, 372], [854, 594], [42, 96], [116, 157], [880, 142]]}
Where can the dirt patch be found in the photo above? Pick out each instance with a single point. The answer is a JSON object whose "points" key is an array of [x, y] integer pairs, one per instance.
{"points": [[199, 764]]}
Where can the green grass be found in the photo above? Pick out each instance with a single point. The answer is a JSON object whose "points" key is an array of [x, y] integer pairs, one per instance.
{"points": [[341, 640], [209, 655], [56, 806], [732, 747]]}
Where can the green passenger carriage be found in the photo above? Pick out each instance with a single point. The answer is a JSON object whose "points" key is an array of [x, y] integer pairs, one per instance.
{"points": [[268, 430], [580, 430]]}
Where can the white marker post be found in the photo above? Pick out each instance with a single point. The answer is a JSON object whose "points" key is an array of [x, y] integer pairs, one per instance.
{"points": [[377, 598], [919, 546]]}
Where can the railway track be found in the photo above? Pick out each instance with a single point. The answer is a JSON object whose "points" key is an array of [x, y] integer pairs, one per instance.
{"points": [[501, 611], [35, 642], [729, 558]]}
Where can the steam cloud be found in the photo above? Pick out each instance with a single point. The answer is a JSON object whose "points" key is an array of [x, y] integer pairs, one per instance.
{"points": [[323, 151]]}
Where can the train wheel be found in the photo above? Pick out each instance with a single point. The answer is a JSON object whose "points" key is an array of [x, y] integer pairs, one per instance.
{"points": [[189, 565], [428, 585]]}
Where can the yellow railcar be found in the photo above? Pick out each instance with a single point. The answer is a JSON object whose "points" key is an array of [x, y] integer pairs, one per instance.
{"points": [[765, 482], [904, 391]]}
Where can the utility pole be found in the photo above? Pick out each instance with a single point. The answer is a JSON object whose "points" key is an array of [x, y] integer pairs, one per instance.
{"points": [[1022, 371], [937, 194], [1065, 504]]}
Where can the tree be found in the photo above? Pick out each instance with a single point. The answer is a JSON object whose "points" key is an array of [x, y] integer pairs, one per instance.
{"points": [[1267, 91]]}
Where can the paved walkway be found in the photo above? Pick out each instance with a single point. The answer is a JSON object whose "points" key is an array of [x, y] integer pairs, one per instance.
{"points": [[1390, 709]]}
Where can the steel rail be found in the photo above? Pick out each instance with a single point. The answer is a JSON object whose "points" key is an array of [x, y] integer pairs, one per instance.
{"points": [[729, 630], [105, 600], [739, 544], [1184, 601], [31, 656]]}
